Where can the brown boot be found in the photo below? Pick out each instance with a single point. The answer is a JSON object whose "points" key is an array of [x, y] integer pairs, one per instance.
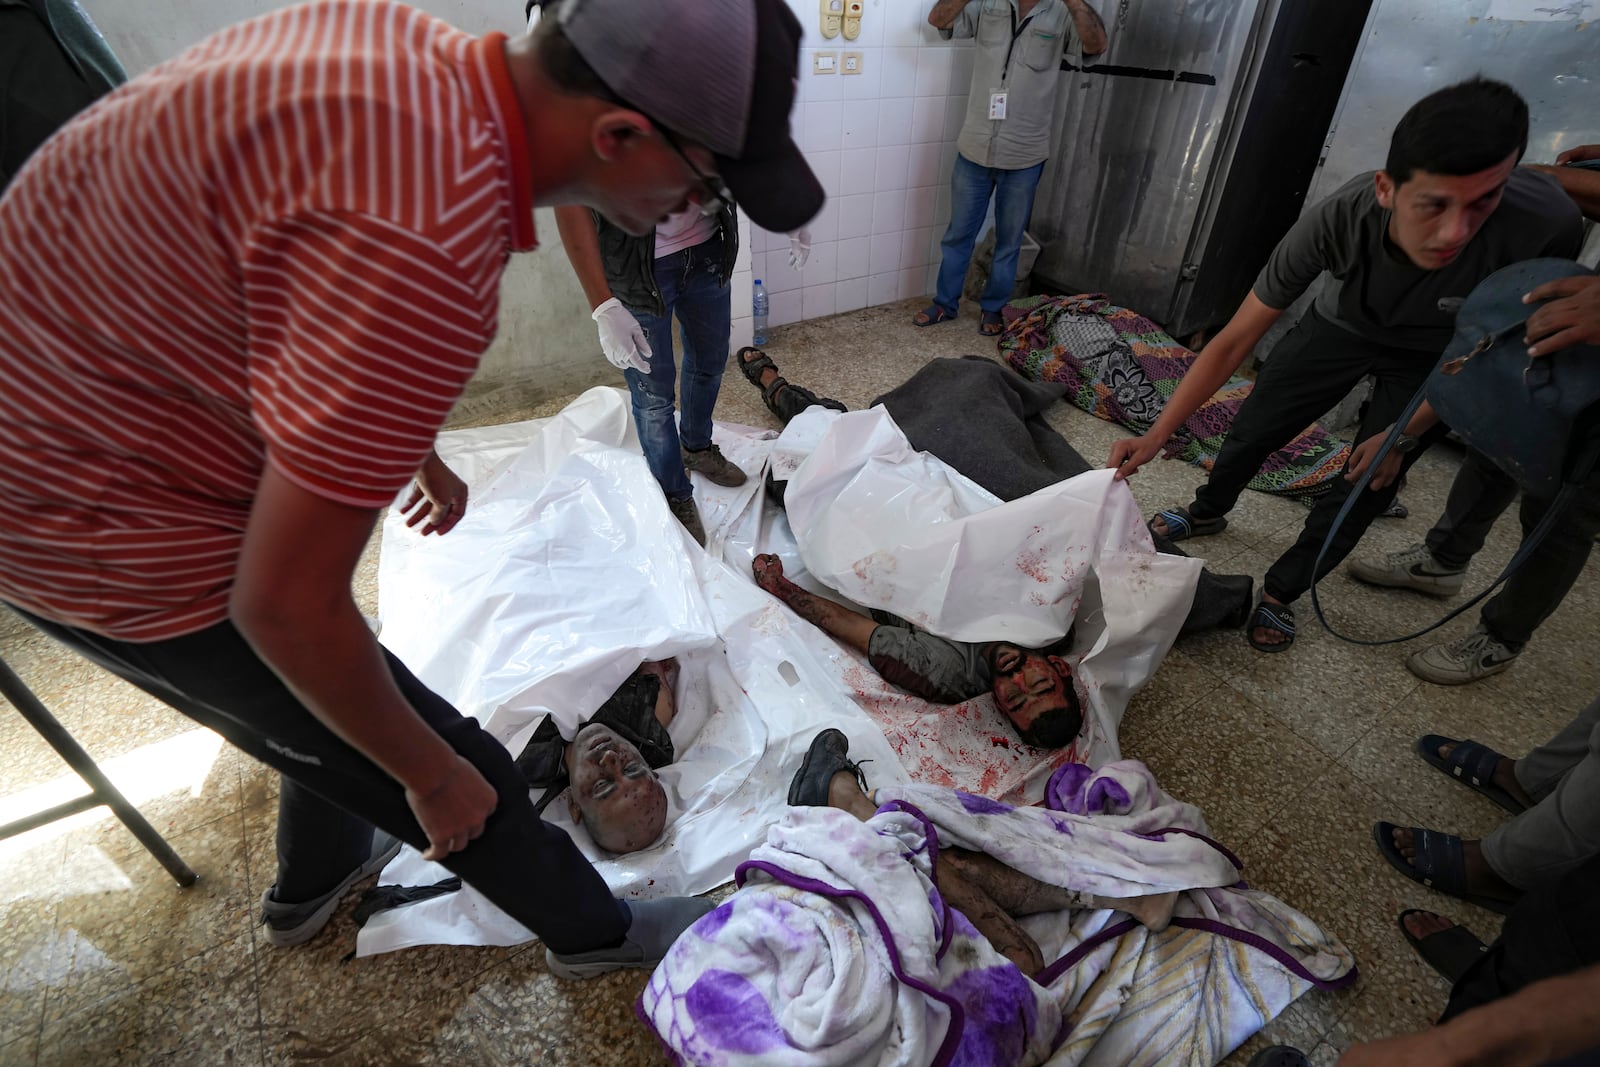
{"points": [[685, 512], [714, 465]]}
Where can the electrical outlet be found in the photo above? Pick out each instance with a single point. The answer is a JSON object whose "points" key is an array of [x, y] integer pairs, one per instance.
{"points": [[850, 63], [824, 62]]}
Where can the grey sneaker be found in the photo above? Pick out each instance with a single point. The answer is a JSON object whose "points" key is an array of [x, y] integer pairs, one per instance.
{"points": [[653, 926], [685, 512], [1410, 568], [295, 924], [1474, 656], [714, 465]]}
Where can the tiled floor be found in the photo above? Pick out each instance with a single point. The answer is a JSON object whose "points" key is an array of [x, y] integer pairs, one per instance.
{"points": [[103, 960]]}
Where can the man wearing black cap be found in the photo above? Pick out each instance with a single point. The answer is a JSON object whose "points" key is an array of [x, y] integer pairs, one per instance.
{"points": [[245, 291]]}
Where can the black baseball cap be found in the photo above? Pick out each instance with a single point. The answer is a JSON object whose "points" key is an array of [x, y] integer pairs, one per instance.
{"points": [[719, 73]]}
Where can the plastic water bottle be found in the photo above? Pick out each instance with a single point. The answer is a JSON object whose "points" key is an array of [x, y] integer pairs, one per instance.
{"points": [[758, 315]]}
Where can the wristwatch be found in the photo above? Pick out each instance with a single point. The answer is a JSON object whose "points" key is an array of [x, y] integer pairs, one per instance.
{"points": [[1406, 443]]}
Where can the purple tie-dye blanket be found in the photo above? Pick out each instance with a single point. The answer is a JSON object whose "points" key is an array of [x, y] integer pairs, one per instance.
{"points": [[838, 949]]}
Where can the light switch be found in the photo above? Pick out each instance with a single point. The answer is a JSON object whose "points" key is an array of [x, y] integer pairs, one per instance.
{"points": [[850, 63], [824, 62]]}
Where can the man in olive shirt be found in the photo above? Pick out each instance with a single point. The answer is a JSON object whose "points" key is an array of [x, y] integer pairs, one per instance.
{"points": [[1449, 208], [1006, 136]]}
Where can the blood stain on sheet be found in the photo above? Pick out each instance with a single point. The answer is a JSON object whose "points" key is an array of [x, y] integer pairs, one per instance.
{"points": [[999, 742], [1034, 563]]}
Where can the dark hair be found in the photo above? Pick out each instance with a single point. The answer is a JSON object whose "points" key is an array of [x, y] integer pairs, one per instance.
{"points": [[1461, 129], [1057, 727]]}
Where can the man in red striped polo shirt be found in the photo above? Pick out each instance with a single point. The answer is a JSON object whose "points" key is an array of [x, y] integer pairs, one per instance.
{"points": [[243, 292]]}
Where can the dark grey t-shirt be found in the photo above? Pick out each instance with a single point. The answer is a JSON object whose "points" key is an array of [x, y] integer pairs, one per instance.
{"points": [[1376, 292]]}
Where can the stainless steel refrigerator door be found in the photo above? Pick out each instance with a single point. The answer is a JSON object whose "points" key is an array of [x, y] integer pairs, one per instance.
{"points": [[1548, 49], [1135, 150]]}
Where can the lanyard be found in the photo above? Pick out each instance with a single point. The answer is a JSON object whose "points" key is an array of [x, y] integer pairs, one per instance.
{"points": [[1016, 31]]}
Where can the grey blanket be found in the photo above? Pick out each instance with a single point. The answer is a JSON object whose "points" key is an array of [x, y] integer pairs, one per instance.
{"points": [[987, 422]]}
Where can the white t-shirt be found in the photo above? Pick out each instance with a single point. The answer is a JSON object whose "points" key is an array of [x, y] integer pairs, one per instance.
{"points": [[684, 230]]}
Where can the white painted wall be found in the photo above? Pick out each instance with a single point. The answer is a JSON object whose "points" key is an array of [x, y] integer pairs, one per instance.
{"points": [[882, 143]]}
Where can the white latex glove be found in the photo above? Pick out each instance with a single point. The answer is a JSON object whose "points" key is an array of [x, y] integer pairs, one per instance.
{"points": [[622, 339], [799, 248]]}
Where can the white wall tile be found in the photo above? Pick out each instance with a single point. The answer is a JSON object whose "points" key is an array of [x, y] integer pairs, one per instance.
{"points": [[850, 296], [868, 84], [873, 24], [888, 211], [911, 283], [891, 167], [819, 87], [852, 258], [899, 75], [924, 167], [739, 287], [894, 121], [883, 288], [858, 170], [825, 227], [914, 246], [855, 216], [955, 112], [785, 308], [927, 119], [741, 262], [885, 254], [825, 165], [908, 27], [919, 206], [739, 336], [931, 282], [821, 266], [860, 122], [933, 72], [816, 301], [778, 277], [821, 126]]}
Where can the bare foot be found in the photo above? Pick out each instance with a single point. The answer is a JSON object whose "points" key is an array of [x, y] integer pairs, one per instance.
{"points": [[845, 793], [1158, 526], [768, 374], [1268, 635], [1420, 924], [1481, 878], [1505, 776], [1154, 911]]}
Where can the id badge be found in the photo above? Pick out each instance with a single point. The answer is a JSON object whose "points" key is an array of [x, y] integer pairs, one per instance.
{"points": [[997, 105]]}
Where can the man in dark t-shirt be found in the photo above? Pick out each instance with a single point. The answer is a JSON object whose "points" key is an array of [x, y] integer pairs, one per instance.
{"points": [[1401, 246]]}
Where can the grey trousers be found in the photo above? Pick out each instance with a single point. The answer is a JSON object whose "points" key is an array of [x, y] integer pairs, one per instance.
{"points": [[1478, 496], [1562, 830]]}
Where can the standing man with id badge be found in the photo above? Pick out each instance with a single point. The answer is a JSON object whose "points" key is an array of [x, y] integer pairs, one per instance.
{"points": [[1006, 136]]}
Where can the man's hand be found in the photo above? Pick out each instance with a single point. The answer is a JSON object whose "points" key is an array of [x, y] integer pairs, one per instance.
{"points": [[1428, 1048], [1361, 459], [445, 493], [1131, 453], [1580, 154], [452, 811], [1572, 316], [799, 249], [622, 339]]}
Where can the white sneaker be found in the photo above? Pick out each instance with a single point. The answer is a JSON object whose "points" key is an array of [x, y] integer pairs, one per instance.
{"points": [[1474, 656], [1410, 568]]}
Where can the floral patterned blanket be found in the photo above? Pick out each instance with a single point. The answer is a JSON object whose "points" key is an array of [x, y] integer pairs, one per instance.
{"points": [[1122, 367]]}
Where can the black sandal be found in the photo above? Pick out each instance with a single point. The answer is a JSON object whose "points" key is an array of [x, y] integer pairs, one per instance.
{"points": [[1450, 952], [782, 397], [1279, 617]]}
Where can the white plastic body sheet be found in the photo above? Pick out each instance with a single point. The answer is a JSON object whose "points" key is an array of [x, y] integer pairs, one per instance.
{"points": [[892, 528], [566, 573]]}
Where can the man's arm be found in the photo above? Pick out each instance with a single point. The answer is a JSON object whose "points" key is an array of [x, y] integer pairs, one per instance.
{"points": [[836, 620], [1543, 1023], [1091, 31], [1214, 365], [1580, 183], [291, 601], [576, 226], [944, 12]]}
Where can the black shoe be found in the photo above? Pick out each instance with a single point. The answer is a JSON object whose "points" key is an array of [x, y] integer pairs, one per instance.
{"points": [[826, 757]]}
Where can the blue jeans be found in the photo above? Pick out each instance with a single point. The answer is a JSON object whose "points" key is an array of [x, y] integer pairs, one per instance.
{"points": [[970, 189], [702, 303]]}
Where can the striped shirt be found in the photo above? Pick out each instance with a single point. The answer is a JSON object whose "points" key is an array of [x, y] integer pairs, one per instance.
{"points": [[284, 246]]}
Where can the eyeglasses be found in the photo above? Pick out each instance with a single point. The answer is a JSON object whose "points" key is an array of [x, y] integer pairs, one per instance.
{"points": [[716, 196]]}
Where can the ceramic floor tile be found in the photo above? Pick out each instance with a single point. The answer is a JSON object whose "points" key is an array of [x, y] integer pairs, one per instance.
{"points": [[1181, 682], [202, 1010], [121, 918], [26, 954]]}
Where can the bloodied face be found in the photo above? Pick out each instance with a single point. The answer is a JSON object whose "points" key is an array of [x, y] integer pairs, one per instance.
{"points": [[1035, 691], [614, 793]]}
